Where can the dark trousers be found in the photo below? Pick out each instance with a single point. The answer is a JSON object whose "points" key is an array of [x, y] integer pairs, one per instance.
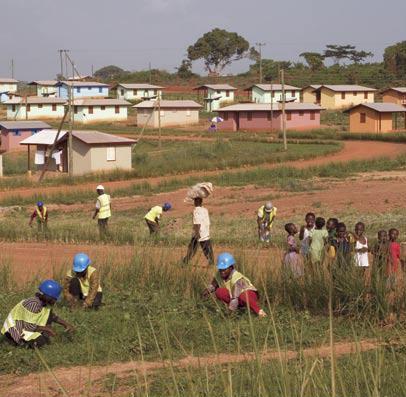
{"points": [[152, 226], [103, 224], [75, 290], [192, 249]]}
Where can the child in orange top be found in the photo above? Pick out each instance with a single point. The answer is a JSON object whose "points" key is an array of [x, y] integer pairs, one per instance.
{"points": [[394, 253]]}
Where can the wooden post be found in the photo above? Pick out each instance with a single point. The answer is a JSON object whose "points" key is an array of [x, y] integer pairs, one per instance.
{"points": [[29, 161], [159, 122], [285, 143]]}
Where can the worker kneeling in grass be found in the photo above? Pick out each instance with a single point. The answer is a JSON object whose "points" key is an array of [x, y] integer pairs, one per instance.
{"points": [[265, 217], [41, 215], [29, 322], [237, 290], [82, 284], [154, 215]]}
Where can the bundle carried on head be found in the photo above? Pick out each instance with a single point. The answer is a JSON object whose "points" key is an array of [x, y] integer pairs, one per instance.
{"points": [[202, 190]]}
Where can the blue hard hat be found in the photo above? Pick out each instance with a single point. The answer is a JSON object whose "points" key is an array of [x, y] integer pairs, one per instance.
{"points": [[51, 288], [167, 206], [224, 261], [40, 204], [81, 262]]}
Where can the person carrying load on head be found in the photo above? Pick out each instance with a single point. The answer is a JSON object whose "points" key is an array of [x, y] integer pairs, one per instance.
{"points": [[103, 210], [265, 217], [82, 284], [237, 290], [29, 323], [41, 215], [154, 215]]}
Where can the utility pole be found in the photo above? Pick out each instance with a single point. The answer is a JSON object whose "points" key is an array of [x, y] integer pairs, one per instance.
{"points": [[92, 70], [66, 64], [61, 60], [12, 68], [285, 143], [159, 122], [71, 119], [271, 106], [260, 45], [150, 74]]}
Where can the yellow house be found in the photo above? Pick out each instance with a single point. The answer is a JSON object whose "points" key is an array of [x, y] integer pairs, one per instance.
{"points": [[395, 95], [333, 97]]}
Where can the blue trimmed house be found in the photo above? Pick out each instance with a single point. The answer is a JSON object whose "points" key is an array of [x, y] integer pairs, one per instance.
{"points": [[83, 89]]}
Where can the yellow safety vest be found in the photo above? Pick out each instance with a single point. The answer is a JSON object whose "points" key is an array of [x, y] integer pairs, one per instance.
{"points": [[104, 210], [85, 281], [20, 313], [262, 214], [235, 276], [153, 213], [41, 215]]}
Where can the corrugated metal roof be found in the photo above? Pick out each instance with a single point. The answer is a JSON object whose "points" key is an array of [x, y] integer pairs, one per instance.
{"points": [[20, 125], [266, 107], [385, 107], [44, 82], [44, 137], [168, 104], [32, 100], [6, 80], [347, 87], [140, 86], [312, 86], [217, 87], [83, 83], [101, 102], [274, 87], [401, 90]]}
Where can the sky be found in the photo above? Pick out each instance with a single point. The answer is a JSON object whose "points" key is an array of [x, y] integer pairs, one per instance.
{"points": [[132, 33]]}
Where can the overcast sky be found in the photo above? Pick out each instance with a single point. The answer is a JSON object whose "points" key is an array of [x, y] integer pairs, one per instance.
{"points": [[131, 33]]}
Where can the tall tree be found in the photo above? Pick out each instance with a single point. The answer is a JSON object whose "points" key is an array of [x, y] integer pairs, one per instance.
{"points": [[110, 72], [218, 49], [313, 59], [184, 71], [359, 56], [338, 52], [395, 59]]}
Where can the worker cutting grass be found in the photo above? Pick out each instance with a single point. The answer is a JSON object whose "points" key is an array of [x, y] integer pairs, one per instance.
{"points": [[41, 215], [102, 211], [29, 323], [153, 217], [265, 217], [82, 284]]}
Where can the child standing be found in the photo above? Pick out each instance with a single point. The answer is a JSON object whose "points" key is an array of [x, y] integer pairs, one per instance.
{"points": [[380, 252], [293, 260], [331, 227], [318, 241], [305, 233], [361, 246], [393, 266], [343, 245]]}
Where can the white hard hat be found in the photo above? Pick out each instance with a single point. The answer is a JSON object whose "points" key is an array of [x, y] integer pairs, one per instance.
{"points": [[268, 206], [100, 187]]}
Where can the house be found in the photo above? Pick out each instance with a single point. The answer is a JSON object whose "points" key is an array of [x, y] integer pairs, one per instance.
{"points": [[375, 117], [83, 89], [267, 93], [310, 94], [264, 117], [173, 113], [216, 95], [94, 110], [395, 95], [35, 108], [7, 86], [339, 96], [78, 77], [45, 87], [136, 92], [13, 132], [93, 151]]}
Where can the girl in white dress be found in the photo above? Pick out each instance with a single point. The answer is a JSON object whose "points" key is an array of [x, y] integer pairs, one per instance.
{"points": [[361, 246]]}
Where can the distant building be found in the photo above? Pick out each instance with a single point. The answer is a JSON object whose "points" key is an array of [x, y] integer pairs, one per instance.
{"points": [[395, 95], [46, 87], [13, 132], [173, 113], [79, 77], [375, 117], [260, 117], [83, 89], [267, 93], [98, 110], [93, 151], [216, 95], [338, 96], [136, 92], [7, 86], [35, 108]]}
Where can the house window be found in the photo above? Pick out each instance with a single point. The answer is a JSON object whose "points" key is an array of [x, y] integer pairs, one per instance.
{"points": [[13, 108], [268, 116], [293, 93], [134, 92], [17, 133], [111, 154], [312, 115], [288, 116], [100, 90], [102, 107], [365, 95], [75, 109], [40, 106], [218, 92], [362, 118], [122, 91], [225, 116], [249, 116], [188, 112], [343, 95], [54, 107], [78, 90], [116, 109], [354, 93], [28, 107], [90, 110], [301, 112], [227, 93]]}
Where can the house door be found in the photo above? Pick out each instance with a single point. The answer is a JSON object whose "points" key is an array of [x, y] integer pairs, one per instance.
{"points": [[237, 120], [318, 97]]}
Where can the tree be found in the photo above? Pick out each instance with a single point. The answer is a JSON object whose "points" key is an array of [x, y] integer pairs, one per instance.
{"points": [[395, 59], [359, 56], [184, 71], [338, 52], [110, 72], [313, 59], [218, 49]]}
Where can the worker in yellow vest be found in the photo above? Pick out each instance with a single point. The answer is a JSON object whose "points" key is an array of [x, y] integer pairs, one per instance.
{"points": [[82, 284], [103, 210], [41, 215], [29, 322], [236, 290], [154, 215], [265, 217]]}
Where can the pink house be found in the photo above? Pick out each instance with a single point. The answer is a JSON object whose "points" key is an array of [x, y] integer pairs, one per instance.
{"points": [[13, 132], [264, 117]]}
